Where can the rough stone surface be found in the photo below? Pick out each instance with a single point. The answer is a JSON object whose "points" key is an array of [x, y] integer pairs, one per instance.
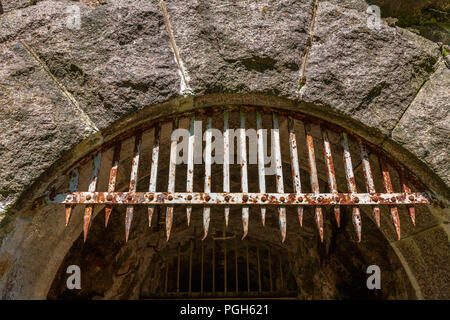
{"points": [[371, 75], [424, 129], [241, 46]]}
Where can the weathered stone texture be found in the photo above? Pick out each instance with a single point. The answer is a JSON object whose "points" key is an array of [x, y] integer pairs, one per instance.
{"points": [[424, 129], [241, 46], [371, 75]]}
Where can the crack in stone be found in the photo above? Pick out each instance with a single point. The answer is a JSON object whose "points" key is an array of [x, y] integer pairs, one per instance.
{"points": [[63, 89]]}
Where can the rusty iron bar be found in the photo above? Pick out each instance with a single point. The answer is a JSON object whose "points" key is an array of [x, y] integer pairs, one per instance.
{"points": [[190, 165], [207, 209], [267, 199], [261, 167], [154, 168], [133, 181], [388, 187], [248, 268], [295, 170], [259, 269], [368, 178], [226, 160], [407, 189], [113, 178], [243, 160], [313, 176], [330, 172], [92, 186], [172, 172], [270, 271], [279, 175], [73, 187], [351, 184]]}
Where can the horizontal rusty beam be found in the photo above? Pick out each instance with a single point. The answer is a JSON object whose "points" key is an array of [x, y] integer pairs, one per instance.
{"points": [[201, 198]]}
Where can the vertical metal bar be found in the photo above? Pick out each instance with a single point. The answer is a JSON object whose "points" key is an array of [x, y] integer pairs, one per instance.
{"points": [[279, 174], [243, 158], [406, 189], [207, 209], [270, 271], [368, 178], [178, 268], [113, 179], [133, 182], [261, 168], [248, 269], [190, 165], [356, 216], [236, 265], [154, 168], [167, 277], [313, 175], [92, 186], [201, 276], [259, 269], [388, 187], [190, 266], [172, 171], [214, 267], [226, 161], [281, 272], [73, 186], [330, 171], [295, 166]]}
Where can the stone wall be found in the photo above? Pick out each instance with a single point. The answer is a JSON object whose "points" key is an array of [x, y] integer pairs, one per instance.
{"points": [[64, 91]]}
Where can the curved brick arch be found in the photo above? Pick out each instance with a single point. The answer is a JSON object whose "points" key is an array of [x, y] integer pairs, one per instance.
{"points": [[66, 91]]}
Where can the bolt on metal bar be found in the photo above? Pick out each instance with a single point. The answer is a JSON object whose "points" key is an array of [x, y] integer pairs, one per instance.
{"points": [[313, 175], [226, 160], [351, 184], [73, 186], [178, 268], [406, 189], [113, 179], [172, 171], [279, 175], [190, 165], [133, 181], [368, 177], [388, 187], [330, 171], [248, 268], [259, 269], [154, 168], [261, 168], [207, 209], [244, 183], [295, 165], [92, 186]]}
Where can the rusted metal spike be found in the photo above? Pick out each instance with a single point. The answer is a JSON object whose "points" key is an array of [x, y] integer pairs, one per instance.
{"points": [[92, 186], [279, 174], [330, 171], [261, 168], [368, 177], [406, 189], [154, 168], [190, 165], [206, 209], [313, 175], [351, 184], [243, 162], [388, 187], [226, 161], [73, 186], [133, 182], [295, 166], [113, 179], [172, 171]]}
